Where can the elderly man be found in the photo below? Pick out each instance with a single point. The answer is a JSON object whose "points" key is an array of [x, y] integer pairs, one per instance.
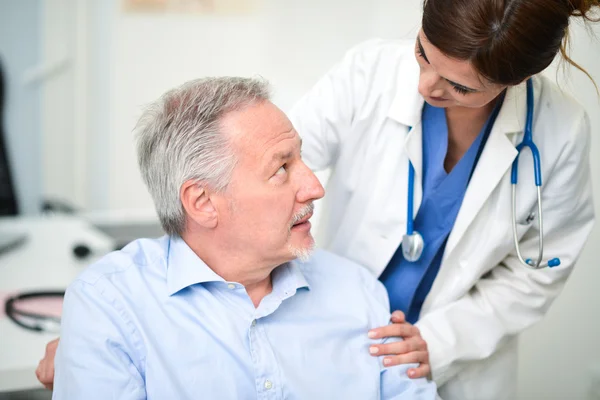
{"points": [[221, 308]]}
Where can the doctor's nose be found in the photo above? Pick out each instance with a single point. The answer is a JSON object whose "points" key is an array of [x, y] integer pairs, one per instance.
{"points": [[430, 84]]}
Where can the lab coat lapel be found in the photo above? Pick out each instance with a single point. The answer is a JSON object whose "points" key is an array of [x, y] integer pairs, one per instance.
{"points": [[406, 108], [494, 163], [389, 217], [414, 150]]}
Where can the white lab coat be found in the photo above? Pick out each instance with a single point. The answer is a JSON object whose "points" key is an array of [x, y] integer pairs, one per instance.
{"points": [[355, 121]]}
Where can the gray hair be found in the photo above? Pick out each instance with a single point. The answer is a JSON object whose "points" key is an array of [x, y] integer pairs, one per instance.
{"points": [[179, 138]]}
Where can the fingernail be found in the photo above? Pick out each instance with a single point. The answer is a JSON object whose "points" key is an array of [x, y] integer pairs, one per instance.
{"points": [[387, 361], [373, 350], [411, 373], [372, 334]]}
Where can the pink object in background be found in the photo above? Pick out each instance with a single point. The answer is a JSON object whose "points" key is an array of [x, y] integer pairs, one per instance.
{"points": [[50, 306]]}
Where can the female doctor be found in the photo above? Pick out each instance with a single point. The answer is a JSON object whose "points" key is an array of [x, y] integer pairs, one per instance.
{"points": [[452, 107]]}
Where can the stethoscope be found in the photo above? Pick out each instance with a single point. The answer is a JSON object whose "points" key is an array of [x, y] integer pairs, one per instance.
{"points": [[413, 243], [31, 320]]}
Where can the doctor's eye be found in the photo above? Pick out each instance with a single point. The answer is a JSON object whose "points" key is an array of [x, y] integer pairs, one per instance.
{"points": [[420, 54], [461, 90]]}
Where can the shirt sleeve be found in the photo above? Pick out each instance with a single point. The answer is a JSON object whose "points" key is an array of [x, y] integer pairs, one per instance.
{"points": [[95, 357], [394, 381]]}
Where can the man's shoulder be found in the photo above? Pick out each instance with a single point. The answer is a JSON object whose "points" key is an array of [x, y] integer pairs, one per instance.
{"points": [[325, 266], [128, 264]]}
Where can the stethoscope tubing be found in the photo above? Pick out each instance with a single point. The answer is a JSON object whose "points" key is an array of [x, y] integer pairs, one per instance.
{"points": [[526, 142]]}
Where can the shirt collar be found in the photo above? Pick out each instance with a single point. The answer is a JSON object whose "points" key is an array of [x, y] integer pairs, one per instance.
{"points": [[287, 279], [407, 105], [512, 115], [289, 276], [185, 268]]}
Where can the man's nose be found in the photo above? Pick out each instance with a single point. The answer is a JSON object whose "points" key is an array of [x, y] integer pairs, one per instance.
{"points": [[310, 187]]}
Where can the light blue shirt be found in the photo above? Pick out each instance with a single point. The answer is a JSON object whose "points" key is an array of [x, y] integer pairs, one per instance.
{"points": [[153, 321]]}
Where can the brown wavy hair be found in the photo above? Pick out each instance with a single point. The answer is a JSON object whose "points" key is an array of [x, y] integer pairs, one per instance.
{"points": [[507, 41]]}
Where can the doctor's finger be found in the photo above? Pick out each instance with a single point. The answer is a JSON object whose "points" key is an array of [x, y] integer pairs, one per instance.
{"points": [[415, 357], [404, 330], [398, 317], [396, 348], [45, 376], [422, 371]]}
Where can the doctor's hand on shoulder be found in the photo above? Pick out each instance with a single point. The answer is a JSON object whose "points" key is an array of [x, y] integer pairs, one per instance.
{"points": [[411, 350]]}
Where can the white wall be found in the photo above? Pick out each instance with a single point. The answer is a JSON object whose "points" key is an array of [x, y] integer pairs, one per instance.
{"points": [[288, 42], [132, 59]]}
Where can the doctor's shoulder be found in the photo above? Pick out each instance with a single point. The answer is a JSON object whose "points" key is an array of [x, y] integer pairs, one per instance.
{"points": [[379, 49], [378, 57], [561, 119]]}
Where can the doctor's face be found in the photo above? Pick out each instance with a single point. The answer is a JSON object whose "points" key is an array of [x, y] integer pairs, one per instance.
{"points": [[447, 82], [268, 203]]}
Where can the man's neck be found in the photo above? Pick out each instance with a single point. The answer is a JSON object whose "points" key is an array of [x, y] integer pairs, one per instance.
{"points": [[255, 278]]}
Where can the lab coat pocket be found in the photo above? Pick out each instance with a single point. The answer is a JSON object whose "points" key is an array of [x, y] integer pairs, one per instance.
{"points": [[508, 236], [494, 378]]}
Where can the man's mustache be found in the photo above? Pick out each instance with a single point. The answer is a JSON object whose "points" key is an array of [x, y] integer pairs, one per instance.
{"points": [[309, 208]]}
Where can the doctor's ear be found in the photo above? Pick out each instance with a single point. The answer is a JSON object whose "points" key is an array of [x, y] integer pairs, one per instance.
{"points": [[197, 203]]}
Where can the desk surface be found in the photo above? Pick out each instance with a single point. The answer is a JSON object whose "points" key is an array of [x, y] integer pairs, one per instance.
{"points": [[45, 261]]}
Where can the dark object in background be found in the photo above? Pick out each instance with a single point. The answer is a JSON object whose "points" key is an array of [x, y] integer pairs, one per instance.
{"points": [[8, 198]]}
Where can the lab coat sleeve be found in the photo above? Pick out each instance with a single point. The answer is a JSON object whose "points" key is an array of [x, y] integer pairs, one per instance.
{"points": [[95, 357], [324, 116], [512, 297]]}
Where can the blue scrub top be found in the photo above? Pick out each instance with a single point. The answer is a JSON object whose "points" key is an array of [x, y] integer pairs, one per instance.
{"points": [[408, 283]]}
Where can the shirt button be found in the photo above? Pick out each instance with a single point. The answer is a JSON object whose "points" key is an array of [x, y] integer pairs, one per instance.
{"points": [[231, 286], [253, 322], [268, 384]]}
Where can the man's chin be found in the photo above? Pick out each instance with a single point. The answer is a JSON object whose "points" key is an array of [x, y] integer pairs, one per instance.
{"points": [[303, 252]]}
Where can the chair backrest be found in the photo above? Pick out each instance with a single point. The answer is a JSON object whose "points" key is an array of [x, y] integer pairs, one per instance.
{"points": [[8, 198]]}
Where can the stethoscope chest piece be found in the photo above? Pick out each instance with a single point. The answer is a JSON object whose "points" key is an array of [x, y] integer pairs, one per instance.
{"points": [[412, 246]]}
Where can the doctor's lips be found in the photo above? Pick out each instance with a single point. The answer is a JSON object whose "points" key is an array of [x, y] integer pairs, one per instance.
{"points": [[437, 98]]}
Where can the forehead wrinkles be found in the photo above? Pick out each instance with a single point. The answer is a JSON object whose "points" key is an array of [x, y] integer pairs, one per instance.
{"points": [[286, 135]]}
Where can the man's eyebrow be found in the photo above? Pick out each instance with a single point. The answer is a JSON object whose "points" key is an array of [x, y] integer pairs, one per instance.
{"points": [[458, 85], [282, 155], [285, 155]]}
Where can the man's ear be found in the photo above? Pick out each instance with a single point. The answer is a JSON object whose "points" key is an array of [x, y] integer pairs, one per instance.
{"points": [[195, 198]]}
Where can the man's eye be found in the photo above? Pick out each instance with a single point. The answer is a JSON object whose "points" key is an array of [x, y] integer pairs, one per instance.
{"points": [[281, 170]]}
